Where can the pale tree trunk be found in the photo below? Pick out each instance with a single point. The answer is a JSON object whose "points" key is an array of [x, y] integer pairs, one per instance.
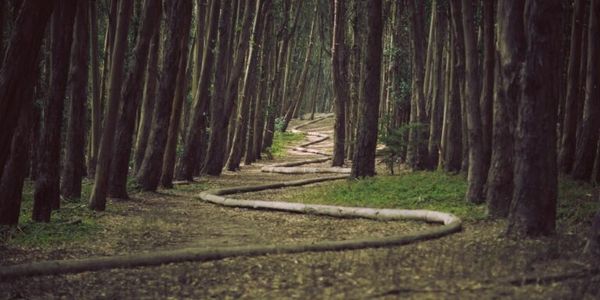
{"points": [[510, 56], [131, 94], [105, 152], [47, 185], [74, 163], [339, 66], [533, 211], [178, 15], [363, 161]]}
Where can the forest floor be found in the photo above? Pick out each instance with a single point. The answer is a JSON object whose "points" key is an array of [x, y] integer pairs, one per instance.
{"points": [[475, 263]]}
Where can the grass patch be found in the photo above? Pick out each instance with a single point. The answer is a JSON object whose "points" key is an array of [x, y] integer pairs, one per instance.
{"points": [[283, 139], [577, 202], [73, 222]]}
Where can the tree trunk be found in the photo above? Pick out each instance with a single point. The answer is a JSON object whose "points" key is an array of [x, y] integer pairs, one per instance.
{"points": [[363, 161], [130, 95], [437, 83], [533, 211], [260, 110], [105, 152], [339, 67], [74, 162], [587, 135], [453, 115], [477, 170], [178, 13], [487, 88], [573, 98], [194, 147], [96, 116], [510, 56], [248, 91], [47, 184], [149, 98], [16, 77]]}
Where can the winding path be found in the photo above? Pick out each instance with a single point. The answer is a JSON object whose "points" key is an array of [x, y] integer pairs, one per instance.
{"points": [[449, 224]]}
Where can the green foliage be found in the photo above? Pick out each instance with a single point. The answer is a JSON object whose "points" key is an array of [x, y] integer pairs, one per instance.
{"points": [[279, 123], [283, 139], [73, 222], [577, 202], [396, 142], [416, 190]]}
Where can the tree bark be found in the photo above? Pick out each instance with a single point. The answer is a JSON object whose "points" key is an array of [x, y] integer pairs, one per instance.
{"points": [[130, 95], [74, 162], [47, 184], [510, 56], [453, 114], [148, 176], [363, 161], [260, 111], [487, 87], [339, 66], [587, 135], [437, 79], [533, 211], [96, 107]]}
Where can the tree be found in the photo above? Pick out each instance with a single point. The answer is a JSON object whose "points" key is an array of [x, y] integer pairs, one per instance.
{"points": [[96, 107], [101, 180], [22, 52], [363, 161], [587, 135], [47, 184], [130, 95], [339, 63], [510, 56], [178, 13], [487, 85], [533, 211], [477, 169]]}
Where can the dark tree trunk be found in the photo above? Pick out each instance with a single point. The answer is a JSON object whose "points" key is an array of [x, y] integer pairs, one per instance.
{"points": [[74, 163], [339, 67], [47, 184], [533, 211], [363, 161], [130, 95], [437, 96], [194, 146], [587, 135], [149, 98], [178, 13], [96, 116], [477, 170], [487, 87], [453, 116], [573, 98], [105, 152], [262, 101], [508, 76], [16, 77]]}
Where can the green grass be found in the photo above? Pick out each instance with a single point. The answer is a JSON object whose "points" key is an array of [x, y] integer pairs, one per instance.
{"points": [[437, 191], [283, 139], [73, 222]]}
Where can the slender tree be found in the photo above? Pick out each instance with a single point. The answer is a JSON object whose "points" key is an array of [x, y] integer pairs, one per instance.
{"points": [[96, 116], [363, 161], [47, 184], [339, 63], [487, 83]]}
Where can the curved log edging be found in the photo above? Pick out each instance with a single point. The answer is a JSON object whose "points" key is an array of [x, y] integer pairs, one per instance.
{"points": [[450, 224]]}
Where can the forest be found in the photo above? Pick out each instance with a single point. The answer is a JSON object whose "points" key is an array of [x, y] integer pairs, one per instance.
{"points": [[300, 149]]}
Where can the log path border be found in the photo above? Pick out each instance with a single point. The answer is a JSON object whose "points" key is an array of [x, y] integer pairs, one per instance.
{"points": [[450, 224]]}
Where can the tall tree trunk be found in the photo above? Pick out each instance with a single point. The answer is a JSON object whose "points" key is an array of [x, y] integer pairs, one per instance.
{"points": [[573, 98], [47, 184], [587, 135], [339, 67], [74, 163], [101, 179], [417, 145], [487, 88], [130, 95], [248, 93], [453, 113], [168, 166], [178, 13], [533, 211], [260, 111], [16, 77], [510, 56], [437, 83], [149, 98], [96, 116], [477, 170], [363, 161], [193, 148]]}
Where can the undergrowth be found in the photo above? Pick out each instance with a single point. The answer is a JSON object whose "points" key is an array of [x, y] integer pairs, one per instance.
{"points": [[283, 139]]}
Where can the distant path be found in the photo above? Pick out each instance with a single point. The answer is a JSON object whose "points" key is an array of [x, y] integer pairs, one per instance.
{"points": [[450, 224]]}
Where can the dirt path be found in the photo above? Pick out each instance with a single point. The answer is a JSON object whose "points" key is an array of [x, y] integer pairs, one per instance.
{"points": [[467, 265]]}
